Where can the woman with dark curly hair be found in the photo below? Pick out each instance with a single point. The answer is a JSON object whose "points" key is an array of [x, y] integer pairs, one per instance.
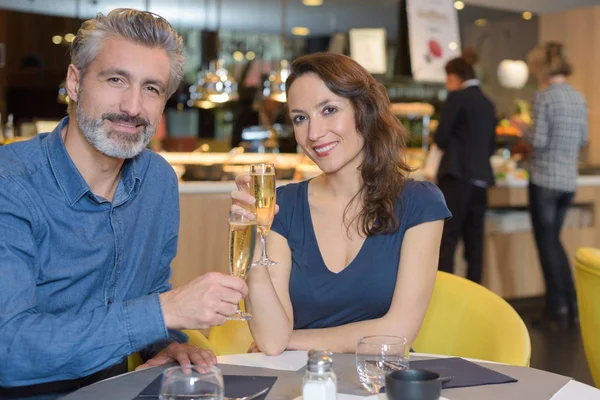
{"points": [[358, 245]]}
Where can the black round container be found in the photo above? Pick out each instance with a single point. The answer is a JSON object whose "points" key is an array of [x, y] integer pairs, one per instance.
{"points": [[413, 384]]}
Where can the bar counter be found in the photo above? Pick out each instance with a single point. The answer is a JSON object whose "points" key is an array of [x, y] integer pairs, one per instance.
{"points": [[511, 267]]}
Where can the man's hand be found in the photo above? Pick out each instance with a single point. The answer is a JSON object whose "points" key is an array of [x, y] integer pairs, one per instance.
{"points": [[204, 302], [183, 353]]}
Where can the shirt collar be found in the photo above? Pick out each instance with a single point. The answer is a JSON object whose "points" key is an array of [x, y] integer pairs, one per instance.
{"points": [[470, 82], [70, 181]]}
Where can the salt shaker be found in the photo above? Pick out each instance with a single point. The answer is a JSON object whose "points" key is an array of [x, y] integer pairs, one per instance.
{"points": [[319, 382]]}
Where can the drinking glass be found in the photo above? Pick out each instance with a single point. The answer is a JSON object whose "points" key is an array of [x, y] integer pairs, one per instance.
{"points": [[262, 187], [378, 355], [197, 383], [242, 240]]}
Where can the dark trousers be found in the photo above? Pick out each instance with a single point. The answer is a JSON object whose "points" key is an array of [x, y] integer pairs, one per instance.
{"points": [[548, 209], [54, 390], [468, 204]]}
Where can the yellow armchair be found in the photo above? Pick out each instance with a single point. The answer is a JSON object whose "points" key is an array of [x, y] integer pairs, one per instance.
{"points": [[465, 319], [587, 283], [233, 337]]}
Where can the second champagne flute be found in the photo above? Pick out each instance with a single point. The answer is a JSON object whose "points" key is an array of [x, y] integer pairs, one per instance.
{"points": [[262, 187], [242, 239]]}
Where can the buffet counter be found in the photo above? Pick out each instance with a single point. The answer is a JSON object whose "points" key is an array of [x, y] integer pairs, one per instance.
{"points": [[511, 267]]}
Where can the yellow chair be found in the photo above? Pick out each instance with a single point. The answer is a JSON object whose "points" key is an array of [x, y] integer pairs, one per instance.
{"points": [[233, 337], [587, 282], [195, 338], [465, 319], [134, 361]]}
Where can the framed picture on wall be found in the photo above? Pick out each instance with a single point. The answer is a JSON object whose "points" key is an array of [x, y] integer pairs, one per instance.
{"points": [[368, 48], [433, 36]]}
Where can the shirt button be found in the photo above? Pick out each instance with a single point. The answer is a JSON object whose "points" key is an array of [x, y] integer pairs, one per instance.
{"points": [[109, 302]]}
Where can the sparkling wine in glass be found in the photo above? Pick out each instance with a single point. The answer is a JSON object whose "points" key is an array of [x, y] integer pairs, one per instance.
{"points": [[262, 187], [242, 239]]}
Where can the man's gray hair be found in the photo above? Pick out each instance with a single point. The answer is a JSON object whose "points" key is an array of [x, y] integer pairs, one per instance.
{"points": [[140, 27]]}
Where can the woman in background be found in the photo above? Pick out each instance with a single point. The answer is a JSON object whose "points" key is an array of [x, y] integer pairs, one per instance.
{"points": [[558, 132], [357, 245]]}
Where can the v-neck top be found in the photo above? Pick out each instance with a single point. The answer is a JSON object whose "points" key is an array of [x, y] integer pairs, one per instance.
{"points": [[364, 289]]}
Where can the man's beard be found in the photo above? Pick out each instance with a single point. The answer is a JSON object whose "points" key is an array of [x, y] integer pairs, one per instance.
{"points": [[111, 142]]}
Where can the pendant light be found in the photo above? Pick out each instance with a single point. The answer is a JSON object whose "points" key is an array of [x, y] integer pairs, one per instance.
{"points": [[62, 96], [215, 85], [274, 85]]}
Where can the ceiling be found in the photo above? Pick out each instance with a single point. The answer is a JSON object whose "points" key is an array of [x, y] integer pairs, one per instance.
{"points": [[266, 15]]}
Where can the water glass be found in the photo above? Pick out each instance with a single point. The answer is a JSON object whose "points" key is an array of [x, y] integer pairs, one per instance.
{"points": [[192, 383], [378, 355]]}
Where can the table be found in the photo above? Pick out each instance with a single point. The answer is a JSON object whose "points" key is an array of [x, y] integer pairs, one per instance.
{"points": [[533, 384]]}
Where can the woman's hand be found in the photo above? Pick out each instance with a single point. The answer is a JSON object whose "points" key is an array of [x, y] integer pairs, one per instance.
{"points": [[253, 348], [242, 202]]}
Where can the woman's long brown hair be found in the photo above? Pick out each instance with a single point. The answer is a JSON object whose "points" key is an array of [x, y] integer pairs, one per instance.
{"points": [[384, 170]]}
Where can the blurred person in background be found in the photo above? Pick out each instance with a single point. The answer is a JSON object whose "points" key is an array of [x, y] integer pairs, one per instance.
{"points": [[558, 132], [466, 135]]}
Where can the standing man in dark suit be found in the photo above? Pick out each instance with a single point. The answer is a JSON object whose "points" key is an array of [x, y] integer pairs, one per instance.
{"points": [[466, 135]]}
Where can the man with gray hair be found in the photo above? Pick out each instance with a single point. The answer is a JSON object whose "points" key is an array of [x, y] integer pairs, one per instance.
{"points": [[89, 222]]}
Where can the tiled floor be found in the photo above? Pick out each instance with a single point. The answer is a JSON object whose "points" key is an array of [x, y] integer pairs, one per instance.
{"points": [[559, 352]]}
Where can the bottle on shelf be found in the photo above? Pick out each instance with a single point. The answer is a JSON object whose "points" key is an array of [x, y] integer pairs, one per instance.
{"points": [[1, 131], [319, 382], [9, 130]]}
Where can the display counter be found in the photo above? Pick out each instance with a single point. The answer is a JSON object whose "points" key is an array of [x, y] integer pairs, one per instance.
{"points": [[511, 266]]}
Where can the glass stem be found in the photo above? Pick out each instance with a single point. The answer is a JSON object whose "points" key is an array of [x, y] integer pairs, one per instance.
{"points": [[263, 243]]}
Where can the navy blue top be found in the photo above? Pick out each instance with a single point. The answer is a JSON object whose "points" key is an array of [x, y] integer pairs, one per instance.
{"points": [[364, 289]]}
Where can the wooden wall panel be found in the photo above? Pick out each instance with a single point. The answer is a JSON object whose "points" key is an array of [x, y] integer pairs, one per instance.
{"points": [[202, 237], [579, 30], [3, 38]]}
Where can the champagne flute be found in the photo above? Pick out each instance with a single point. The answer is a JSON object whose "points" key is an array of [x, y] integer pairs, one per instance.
{"points": [[262, 187], [242, 239]]}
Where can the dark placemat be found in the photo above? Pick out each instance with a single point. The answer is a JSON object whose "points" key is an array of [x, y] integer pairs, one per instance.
{"points": [[465, 373], [235, 386]]}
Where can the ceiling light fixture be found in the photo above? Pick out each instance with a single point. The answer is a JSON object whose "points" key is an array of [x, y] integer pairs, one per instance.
{"points": [[238, 56], [300, 31], [459, 5], [481, 22], [274, 86]]}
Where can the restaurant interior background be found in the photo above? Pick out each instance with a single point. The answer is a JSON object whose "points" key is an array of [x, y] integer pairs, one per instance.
{"points": [[210, 139]]}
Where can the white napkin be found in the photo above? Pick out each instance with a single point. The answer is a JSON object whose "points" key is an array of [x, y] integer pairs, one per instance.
{"points": [[286, 361], [577, 390]]}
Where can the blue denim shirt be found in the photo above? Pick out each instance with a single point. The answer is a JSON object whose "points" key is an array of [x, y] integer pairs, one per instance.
{"points": [[80, 275]]}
